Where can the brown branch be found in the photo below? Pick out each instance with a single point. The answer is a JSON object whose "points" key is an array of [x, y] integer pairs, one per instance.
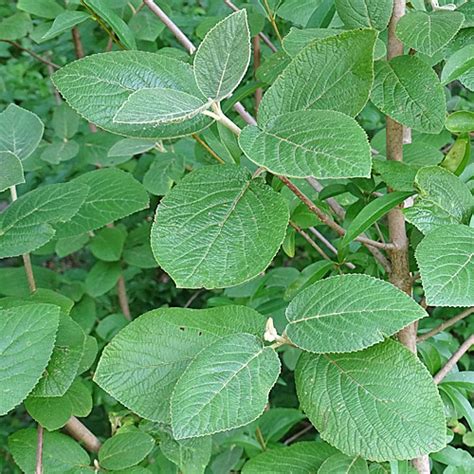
{"points": [[310, 241], [446, 324], [123, 299], [297, 435], [256, 65], [81, 433], [463, 348], [39, 451], [207, 148], [32, 54], [330, 246]]}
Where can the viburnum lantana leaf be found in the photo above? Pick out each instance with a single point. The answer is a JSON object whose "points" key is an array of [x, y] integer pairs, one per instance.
{"points": [[446, 261], [218, 227], [143, 362], [334, 73], [428, 32], [234, 375], [458, 64], [98, 86], [12, 170], [410, 81], [223, 57], [27, 339], [388, 406], [443, 199], [308, 143], [365, 13], [348, 313], [298, 39], [340, 463]]}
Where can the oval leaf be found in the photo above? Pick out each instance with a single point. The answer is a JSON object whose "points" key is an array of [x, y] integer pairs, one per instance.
{"points": [[232, 376], [388, 407], [342, 464], [347, 313], [365, 13], [218, 227]]}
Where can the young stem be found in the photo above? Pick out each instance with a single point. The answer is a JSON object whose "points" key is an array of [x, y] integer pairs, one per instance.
{"points": [[123, 299], [465, 346], [446, 324], [81, 433], [39, 451], [310, 241], [32, 54], [256, 65]]}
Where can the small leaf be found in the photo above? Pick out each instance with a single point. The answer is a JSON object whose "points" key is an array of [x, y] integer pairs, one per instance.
{"points": [[372, 212], [348, 313], [27, 339], [131, 146], [12, 170], [308, 143], [429, 32], [64, 22], [15, 27], [388, 407], [458, 64], [335, 73], [365, 13], [460, 122], [125, 449], [340, 463], [445, 258], [51, 412], [218, 227], [233, 376], [458, 156], [397, 175], [442, 199], [223, 57], [102, 277], [142, 364], [65, 122], [41, 8], [408, 80], [107, 244], [159, 107], [298, 39]]}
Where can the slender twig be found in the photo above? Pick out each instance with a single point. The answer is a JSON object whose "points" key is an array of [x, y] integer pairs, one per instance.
{"points": [[310, 241], [297, 435], [271, 17], [262, 36], [193, 297], [333, 204], [256, 65], [39, 451], [76, 39], [207, 148], [446, 324], [123, 299], [32, 54], [330, 246], [463, 348], [81, 433], [260, 438]]}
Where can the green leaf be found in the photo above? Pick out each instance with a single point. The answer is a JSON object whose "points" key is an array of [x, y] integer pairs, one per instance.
{"points": [[233, 376], [144, 24], [348, 313], [107, 244], [190, 455], [25, 225], [97, 86], [12, 170], [65, 122], [218, 227], [459, 155], [223, 57], [342, 464], [142, 364], [113, 195], [64, 22], [15, 27], [102, 277], [118, 26], [409, 91], [42, 8], [125, 449], [372, 212], [300, 458], [26, 343], [50, 412], [296, 12], [20, 131], [365, 13], [64, 363], [308, 143], [80, 397], [60, 151], [163, 172], [334, 73], [388, 407], [61, 453], [428, 32], [298, 39], [445, 258], [398, 175], [159, 106], [131, 146], [442, 199], [460, 122], [458, 64]]}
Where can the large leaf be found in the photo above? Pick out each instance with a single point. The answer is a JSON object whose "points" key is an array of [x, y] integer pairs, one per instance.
{"points": [[372, 213], [380, 403], [334, 73], [446, 261], [348, 313], [25, 225], [142, 364], [159, 106], [218, 227], [20, 131], [365, 13], [223, 57], [224, 387], [27, 335], [308, 143], [341, 464], [113, 194], [443, 199], [409, 91], [305, 457], [12, 170], [429, 32], [97, 86]]}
